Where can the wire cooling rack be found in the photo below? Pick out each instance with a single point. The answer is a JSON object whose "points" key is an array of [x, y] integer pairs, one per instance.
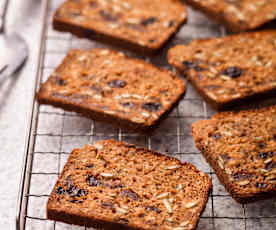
{"points": [[53, 133]]}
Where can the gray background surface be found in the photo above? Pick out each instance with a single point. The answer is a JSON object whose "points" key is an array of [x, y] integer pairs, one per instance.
{"points": [[58, 132], [15, 103]]}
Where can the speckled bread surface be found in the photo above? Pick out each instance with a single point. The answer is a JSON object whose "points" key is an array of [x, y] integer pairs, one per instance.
{"points": [[228, 70], [241, 148], [238, 15], [116, 185], [107, 86], [143, 25]]}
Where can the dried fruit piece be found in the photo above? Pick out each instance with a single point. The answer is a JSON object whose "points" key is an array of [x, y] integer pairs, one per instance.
{"points": [[189, 64], [152, 106], [117, 83], [128, 104], [261, 145], [263, 155], [92, 181], [192, 65], [90, 166], [59, 81], [108, 17], [129, 194], [232, 72], [241, 176], [60, 190], [171, 23], [148, 21], [217, 136], [261, 185], [74, 191]]}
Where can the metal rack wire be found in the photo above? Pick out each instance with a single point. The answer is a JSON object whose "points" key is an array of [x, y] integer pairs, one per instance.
{"points": [[53, 133]]}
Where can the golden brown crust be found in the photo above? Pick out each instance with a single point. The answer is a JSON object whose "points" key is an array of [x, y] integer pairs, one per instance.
{"points": [[143, 26], [241, 148], [229, 70], [113, 184], [107, 86], [237, 15]]}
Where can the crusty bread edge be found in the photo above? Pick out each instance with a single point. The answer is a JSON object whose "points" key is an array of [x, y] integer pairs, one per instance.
{"points": [[82, 32], [221, 19], [98, 222], [98, 115], [242, 198], [217, 105]]}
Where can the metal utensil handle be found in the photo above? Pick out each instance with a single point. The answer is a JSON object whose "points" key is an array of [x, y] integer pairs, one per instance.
{"points": [[3, 11]]}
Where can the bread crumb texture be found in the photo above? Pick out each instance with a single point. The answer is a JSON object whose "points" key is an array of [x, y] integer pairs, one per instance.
{"points": [[241, 147], [229, 69], [118, 183], [238, 15], [108, 86], [146, 23]]}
